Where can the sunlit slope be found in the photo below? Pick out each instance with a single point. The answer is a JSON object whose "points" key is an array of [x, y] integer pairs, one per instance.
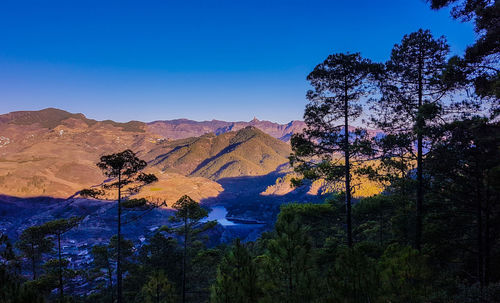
{"points": [[247, 152], [362, 185], [53, 153]]}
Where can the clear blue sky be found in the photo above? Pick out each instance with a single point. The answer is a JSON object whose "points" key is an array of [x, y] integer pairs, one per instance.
{"points": [[207, 59]]}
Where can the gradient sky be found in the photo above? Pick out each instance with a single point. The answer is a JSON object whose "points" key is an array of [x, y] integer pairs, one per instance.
{"points": [[203, 60]]}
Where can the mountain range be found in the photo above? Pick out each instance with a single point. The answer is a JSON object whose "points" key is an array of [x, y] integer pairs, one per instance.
{"points": [[52, 152], [184, 128]]}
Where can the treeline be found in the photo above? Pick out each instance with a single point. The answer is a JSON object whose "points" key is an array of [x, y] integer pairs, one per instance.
{"points": [[304, 259]]}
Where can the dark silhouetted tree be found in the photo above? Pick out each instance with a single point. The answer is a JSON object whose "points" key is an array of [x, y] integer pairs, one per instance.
{"points": [[290, 263], [104, 258], [480, 64], [12, 290], [237, 277], [33, 243], [58, 228], [189, 213], [160, 252], [414, 96], [465, 167], [339, 83], [405, 275], [101, 260], [353, 278], [126, 170], [158, 289]]}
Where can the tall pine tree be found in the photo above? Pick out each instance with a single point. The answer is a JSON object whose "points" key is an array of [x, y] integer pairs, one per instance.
{"points": [[58, 228], [189, 213], [236, 277], [413, 97], [125, 169], [327, 147]]}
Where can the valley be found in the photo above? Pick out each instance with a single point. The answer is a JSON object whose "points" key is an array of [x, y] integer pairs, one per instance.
{"points": [[48, 156], [239, 169]]}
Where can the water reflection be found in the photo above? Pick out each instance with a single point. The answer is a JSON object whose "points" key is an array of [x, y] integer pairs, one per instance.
{"points": [[219, 213]]}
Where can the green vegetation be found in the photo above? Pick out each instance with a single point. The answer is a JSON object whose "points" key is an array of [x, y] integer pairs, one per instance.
{"points": [[189, 213], [305, 258]]}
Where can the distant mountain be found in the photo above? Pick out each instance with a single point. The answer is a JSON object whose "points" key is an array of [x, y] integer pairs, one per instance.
{"points": [[52, 152], [246, 152], [184, 128], [52, 117]]}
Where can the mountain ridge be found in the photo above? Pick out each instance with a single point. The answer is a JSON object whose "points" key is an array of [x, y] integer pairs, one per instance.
{"points": [[248, 151], [53, 152], [170, 129], [180, 128]]}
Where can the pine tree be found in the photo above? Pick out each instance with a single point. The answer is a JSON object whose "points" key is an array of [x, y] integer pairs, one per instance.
{"points": [[339, 83], [465, 165], [189, 213], [162, 253], [101, 260], [11, 289], [479, 65], [354, 277], [237, 278], [126, 170], [290, 264], [413, 97], [58, 228], [104, 258], [33, 243], [158, 289]]}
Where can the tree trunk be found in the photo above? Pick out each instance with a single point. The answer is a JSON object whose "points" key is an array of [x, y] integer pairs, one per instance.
{"points": [[420, 191], [157, 292], [380, 232], [184, 261], [33, 260], [110, 276], [119, 256], [290, 281], [61, 291], [347, 170], [487, 244], [479, 219]]}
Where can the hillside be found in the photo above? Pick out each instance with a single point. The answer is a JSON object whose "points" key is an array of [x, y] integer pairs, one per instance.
{"points": [[53, 153], [247, 152]]}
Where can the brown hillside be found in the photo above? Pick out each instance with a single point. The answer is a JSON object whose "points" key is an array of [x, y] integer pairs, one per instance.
{"points": [[53, 152], [247, 152]]}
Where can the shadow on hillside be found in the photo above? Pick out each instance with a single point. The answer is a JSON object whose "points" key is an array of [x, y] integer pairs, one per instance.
{"points": [[242, 197], [227, 149], [98, 225]]}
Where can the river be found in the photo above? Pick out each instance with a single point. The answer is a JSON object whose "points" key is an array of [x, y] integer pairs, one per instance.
{"points": [[219, 214]]}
